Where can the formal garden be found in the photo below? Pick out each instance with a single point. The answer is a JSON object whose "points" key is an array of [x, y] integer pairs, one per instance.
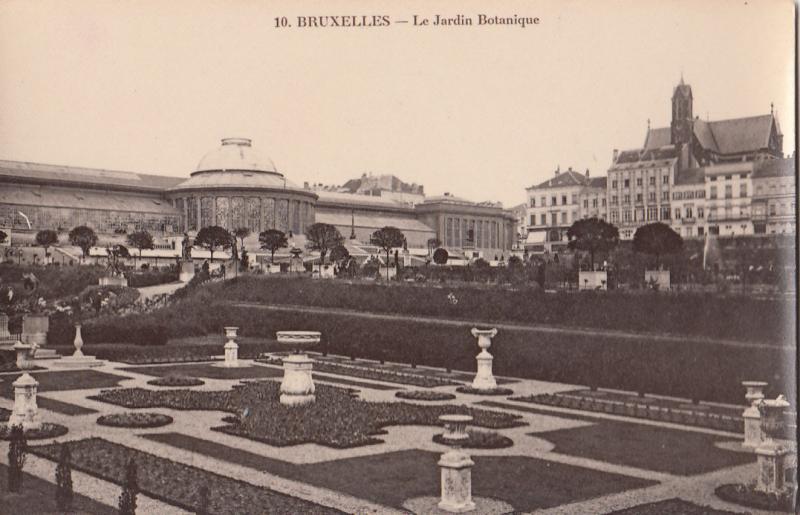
{"points": [[283, 393]]}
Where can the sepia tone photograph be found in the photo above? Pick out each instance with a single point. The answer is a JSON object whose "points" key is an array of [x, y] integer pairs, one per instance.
{"points": [[410, 257]]}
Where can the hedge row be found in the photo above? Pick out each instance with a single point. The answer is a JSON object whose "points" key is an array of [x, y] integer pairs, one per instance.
{"points": [[152, 277], [693, 370], [694, 314]]}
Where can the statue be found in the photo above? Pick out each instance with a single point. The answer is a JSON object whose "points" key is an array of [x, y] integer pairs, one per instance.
{"points": [[186, 248]]}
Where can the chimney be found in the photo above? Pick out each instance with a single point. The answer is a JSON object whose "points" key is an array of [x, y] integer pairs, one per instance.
{"points": [[587, 172], [570, 169], [305, 185], [558, 170], [616, 155]]}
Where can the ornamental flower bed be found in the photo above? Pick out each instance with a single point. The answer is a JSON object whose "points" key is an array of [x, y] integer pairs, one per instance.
{"points": [[747, 496], [47, 430], [336, 419], [176, 381], [135, 419], [175, 483], [640, 409], [364, 371], [479, 440], [477, 391], [425, 395]]}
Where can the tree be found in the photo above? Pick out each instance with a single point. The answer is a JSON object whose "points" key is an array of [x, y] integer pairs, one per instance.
{"points": [[440, 256], [323, 237], [388, 238], [272, 240], [339, 253], [46, 238], [84, 238], [127, 499], [114, 253], [64, 491], [656, 239], [241, 233], [17, 447], [212, 238], [592, 235], [3, 236], [141, 240]]}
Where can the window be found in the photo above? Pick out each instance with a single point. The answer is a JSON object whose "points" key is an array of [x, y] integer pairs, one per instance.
{"points": [[713, 179], [743, 176], [574, 200], [627, 183], [689, 212], [614, 184], [544, 201], [563, 200], [665, 179], [594, 202], [700, 231], [665, 213], [677, 213], [639, 181], [586, 203], [554, 201], [533, 202], [728, 191], [699, 212], [627, 199], [626, 216], [651, 196], [652, 213], [664, 195], [603, 202], [564, 217], [652, 181], [638, 197], [543, 219], [727, 177], [743, 190], [614, 200], [712, 213], [713, 193], [615, 216], [533, 219], [554, 219]]}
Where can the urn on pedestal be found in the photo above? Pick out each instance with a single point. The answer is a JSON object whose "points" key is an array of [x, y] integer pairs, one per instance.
{"points": [[297, 387], [484, 380]]}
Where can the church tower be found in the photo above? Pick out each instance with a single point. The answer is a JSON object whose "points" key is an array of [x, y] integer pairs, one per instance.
{"points": [[681, 127]]}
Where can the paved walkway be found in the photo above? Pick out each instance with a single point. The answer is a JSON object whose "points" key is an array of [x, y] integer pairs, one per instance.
{"points": [[510, 326], [159, 289], [696, 488]]}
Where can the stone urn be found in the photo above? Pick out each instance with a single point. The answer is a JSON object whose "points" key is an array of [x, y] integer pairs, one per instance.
{"points": [[455, 428], [771, 411], [24, 355], [751, 415], [297, 387], [770, 454], [484, 380], [231, 348]]}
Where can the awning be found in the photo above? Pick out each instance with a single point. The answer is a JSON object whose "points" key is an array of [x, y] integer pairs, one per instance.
{"points": [[536, 237]]}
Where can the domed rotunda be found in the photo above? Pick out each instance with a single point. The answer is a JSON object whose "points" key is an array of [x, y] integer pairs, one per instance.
{"points": [[234, 187]]}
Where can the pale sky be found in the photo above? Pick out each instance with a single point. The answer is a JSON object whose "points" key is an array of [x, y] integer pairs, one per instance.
{"points": [[481, 111]]}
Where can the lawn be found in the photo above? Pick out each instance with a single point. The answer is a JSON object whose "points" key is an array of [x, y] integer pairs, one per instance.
{"points": [[392, 478], [175, 483], [39, 497], [336, 419]]}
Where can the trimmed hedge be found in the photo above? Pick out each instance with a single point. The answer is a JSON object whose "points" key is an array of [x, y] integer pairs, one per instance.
{"points": [[152, 277], [697, 314]]}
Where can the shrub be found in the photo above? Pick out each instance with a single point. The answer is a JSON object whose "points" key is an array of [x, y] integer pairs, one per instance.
{"points": [[127, 499], [176, 381], [64, 493], [16, 458], [135, 419]]}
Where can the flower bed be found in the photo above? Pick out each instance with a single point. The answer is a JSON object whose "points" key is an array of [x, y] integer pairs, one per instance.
{"points": [[477, 391], [47, 430], [135, 419], [176, 381], [479, 440], [337, 419], [175, 483], [746, 496], [637, 409], [364, 371], [425, 395], [672, 507]]}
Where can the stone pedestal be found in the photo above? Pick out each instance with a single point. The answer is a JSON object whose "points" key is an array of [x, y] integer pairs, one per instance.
{"points": [[231, 348], [297, 387], [186, 272], [484, 379], [113, 280], [25, 412], [78, 358], [752, 418], [771, 468], [588, 280], [456, 470], [24, 357]]}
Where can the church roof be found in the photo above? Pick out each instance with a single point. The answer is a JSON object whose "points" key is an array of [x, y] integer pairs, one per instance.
{"points": [[732, 136], [564, 179]]}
